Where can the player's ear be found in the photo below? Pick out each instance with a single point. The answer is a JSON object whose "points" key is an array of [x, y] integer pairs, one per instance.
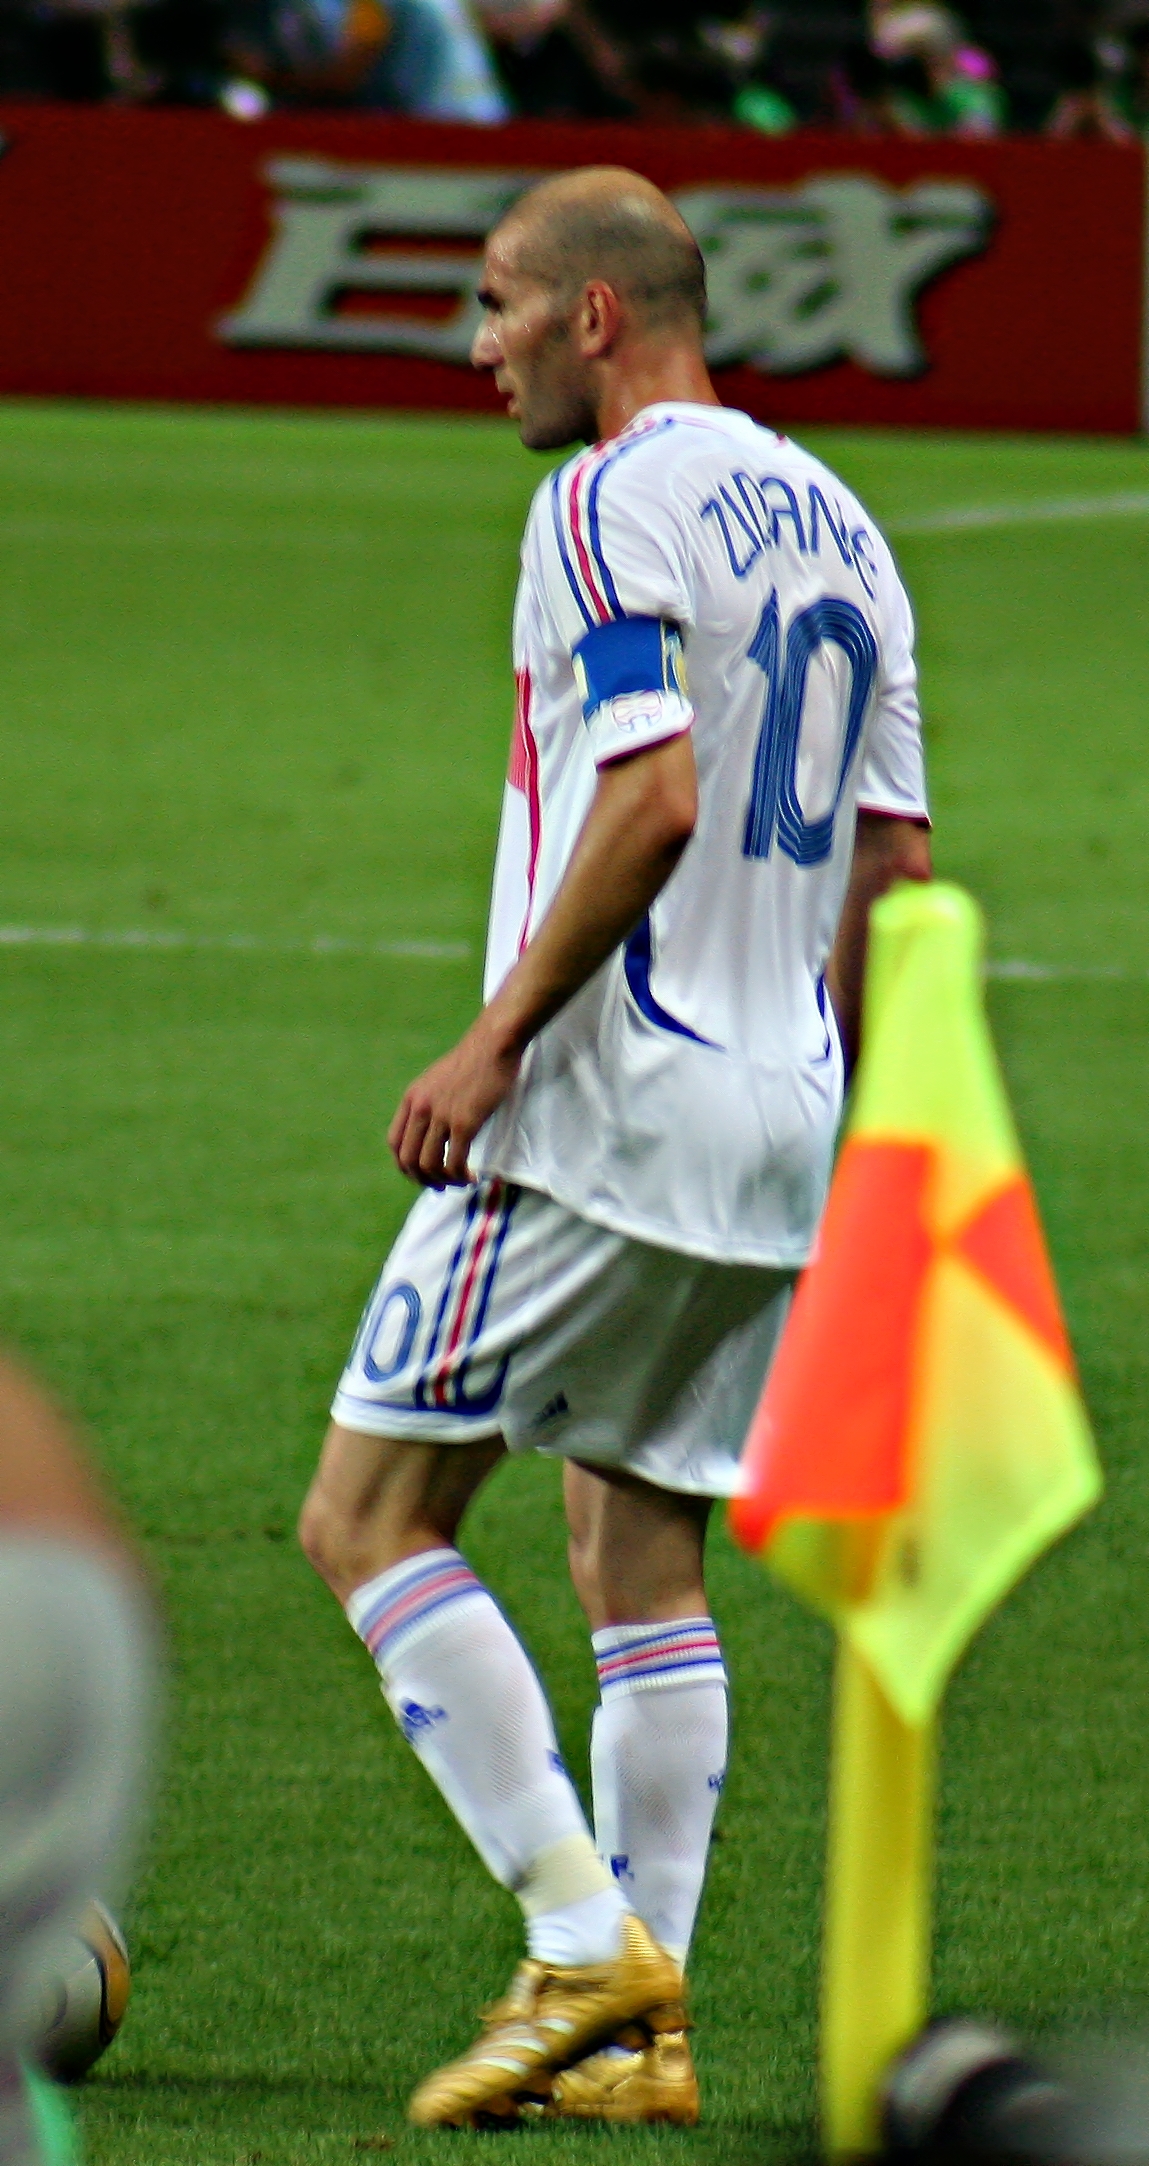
{"points": [[599, 319]]}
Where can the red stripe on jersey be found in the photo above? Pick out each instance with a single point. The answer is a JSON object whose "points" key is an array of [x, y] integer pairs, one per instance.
{"points": [[526, 745], [517, 767], [574, 512]]}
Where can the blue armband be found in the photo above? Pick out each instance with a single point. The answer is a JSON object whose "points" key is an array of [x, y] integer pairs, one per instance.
{"points": [[630, 654]]}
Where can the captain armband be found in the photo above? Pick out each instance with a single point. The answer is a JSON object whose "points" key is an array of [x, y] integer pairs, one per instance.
{"points": [[632, 682]]}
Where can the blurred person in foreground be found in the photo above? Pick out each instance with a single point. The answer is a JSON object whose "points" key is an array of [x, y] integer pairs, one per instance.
{"points": [[716, 766], [77, 1691], [426, 58]]}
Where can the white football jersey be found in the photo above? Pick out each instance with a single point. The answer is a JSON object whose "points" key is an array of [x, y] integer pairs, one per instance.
{"points": [[700, 573]]}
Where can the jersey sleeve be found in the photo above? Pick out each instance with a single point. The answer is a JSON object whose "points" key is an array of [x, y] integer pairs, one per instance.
{"points": [[892, 774], [632, 683], [623, 596]]}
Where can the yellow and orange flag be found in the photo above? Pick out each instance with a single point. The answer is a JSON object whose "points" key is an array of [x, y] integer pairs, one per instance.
{"points": [[921, 1437]]}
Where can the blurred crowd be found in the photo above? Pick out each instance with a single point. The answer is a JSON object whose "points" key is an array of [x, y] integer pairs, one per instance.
{"points": [[867, 67]]}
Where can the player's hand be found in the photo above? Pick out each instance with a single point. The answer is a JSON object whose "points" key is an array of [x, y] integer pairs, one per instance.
{"points": [[441, 1113]]}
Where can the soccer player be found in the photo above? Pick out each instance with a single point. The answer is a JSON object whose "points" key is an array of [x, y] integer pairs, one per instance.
{"points": [[77, 1691], [716, 767]]}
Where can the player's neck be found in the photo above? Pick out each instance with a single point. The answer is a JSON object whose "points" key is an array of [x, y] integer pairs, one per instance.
{"points": [[651, 376]]}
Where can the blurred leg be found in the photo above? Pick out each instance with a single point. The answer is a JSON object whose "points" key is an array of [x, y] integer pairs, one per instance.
{"points": [[77, 1686]]}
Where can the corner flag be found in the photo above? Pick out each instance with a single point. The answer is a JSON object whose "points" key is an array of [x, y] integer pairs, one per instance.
{"points": [[919, 1441], [921, 1437]]}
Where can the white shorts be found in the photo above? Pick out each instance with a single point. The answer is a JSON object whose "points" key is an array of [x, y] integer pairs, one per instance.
{"points": [[499, 1312]]}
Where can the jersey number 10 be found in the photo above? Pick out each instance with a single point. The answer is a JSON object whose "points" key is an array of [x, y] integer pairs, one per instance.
{"points": [[784, 656]]}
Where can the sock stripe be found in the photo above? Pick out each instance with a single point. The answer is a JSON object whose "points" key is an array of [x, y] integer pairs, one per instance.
{"points": [[681, 1669], [624, 1639], [688, 1653], [430, 1587]]}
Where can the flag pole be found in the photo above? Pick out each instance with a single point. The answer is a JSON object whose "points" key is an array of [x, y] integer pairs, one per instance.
{"points": [[876, 1938]]}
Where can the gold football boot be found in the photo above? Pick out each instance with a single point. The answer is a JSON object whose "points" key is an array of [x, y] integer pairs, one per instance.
{"points": [[646, 2074], [548, 2018]]}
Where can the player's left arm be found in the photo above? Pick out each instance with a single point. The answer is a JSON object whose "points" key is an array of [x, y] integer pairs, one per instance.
{"points": [[888, 847], [892, 828], [640, 820]]}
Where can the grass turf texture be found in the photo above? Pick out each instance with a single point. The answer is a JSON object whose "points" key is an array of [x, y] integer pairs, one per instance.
{"points": [[256, 680]]}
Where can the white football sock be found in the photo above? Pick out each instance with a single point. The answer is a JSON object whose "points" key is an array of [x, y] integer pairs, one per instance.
{"points": [[658, 1760], [465, 1696]]}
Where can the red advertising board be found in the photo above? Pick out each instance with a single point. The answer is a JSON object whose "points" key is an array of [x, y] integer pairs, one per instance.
{"points": [[330, 260]]}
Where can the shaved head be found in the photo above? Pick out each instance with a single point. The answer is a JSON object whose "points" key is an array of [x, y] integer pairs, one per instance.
{"points": [[606, 223], [593, 299]]}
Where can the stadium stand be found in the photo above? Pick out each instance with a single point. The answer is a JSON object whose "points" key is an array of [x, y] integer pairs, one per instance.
{"points": [[909, 67]]}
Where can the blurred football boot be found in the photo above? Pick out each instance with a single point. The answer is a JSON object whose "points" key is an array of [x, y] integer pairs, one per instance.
{"points": [[645, 2074], [549, 2017]]}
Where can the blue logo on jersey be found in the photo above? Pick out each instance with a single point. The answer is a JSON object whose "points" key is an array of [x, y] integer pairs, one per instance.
{"points": [[415, 1721], [620, 1867], [717, 1782]]}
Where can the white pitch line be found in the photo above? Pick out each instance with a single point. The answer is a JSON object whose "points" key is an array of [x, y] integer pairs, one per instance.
{"points": [[1019, 972], [180, 534], [1043, 511], [175, 534], [156, 939]]}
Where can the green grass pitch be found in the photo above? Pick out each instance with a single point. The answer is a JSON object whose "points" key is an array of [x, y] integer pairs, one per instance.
{"points": [[255, 689]]}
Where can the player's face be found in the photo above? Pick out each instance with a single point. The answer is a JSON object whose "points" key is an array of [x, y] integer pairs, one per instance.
{"points": [[526, 340]]}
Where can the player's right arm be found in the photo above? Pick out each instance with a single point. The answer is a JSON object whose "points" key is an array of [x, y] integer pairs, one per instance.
{"points": [[619, 597], [641, 818]]}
